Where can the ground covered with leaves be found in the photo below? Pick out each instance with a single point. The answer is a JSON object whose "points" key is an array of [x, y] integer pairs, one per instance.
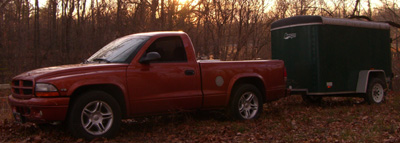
{"points": [[286, 120]]}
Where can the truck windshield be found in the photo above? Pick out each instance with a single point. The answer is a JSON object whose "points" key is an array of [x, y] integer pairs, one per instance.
{"points": [[121, 50]]}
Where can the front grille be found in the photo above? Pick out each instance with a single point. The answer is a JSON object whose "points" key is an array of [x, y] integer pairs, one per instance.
{"points": [[27, 83], [22, 88], [16, 82], [27, 91], [16, 90]]}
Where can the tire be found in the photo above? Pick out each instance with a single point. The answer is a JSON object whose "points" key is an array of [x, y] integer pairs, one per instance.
{"points": [[94, 114], [246, 103], [376, 91], [309, 99]]}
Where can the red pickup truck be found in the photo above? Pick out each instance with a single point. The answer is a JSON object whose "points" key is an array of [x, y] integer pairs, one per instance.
{"points": [[143, 74]]}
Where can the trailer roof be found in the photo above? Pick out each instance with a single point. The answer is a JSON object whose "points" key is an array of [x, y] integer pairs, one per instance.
{"points": [[319, 20]]}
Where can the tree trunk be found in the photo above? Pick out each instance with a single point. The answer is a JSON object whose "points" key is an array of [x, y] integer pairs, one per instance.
{"points": [[67, 31], [154, 5], [36, 34], [162, 17], [118, 20]]}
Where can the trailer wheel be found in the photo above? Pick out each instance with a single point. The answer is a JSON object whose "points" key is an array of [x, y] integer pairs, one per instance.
{"points": [[94, 114], [309, 99], [246, 103], [375, 91]]}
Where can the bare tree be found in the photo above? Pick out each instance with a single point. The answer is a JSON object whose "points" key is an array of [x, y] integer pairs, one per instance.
{"points": [[67, 31]]}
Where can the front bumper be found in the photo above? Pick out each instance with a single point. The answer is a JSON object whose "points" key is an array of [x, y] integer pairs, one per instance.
{"points": [[39, 110]]}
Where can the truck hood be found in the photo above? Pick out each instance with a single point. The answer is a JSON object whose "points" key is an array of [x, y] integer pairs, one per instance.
{"points": [[48, 72]]}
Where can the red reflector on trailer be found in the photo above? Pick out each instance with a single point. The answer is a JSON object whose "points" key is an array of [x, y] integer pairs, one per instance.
{"points": [[329, 84]]}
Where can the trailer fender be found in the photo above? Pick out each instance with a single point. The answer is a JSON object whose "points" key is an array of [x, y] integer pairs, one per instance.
{"points": [[363, 77]]}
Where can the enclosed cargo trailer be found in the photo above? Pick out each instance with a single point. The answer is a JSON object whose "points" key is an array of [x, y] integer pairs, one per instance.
{"points": [[334, 57]]}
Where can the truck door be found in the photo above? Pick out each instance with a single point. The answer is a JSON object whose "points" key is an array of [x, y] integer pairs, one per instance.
{"points": [[168, 84]]}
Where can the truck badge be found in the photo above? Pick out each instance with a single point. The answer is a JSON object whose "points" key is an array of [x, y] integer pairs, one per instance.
{"points": [[287, 36]]}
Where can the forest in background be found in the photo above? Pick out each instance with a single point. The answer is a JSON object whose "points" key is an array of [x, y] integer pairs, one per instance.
{"points": [[34, 35]]}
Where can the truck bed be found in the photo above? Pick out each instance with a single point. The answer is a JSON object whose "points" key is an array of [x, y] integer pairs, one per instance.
{"points": [[219, 77]]}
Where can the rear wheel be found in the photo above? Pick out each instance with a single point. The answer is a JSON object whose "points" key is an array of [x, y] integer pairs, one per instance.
{"points": [[246, 103], [376, 91], [94, 114]]}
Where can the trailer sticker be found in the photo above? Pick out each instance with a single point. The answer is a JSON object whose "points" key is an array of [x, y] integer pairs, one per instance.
{"points": [[329, 84], [219, 81], [287, 36]]}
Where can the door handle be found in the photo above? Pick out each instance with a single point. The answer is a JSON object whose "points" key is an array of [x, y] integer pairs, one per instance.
{"points": [[189, 72]]}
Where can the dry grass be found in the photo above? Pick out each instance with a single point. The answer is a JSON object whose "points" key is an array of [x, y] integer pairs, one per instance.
{"points": [[5, 111]]}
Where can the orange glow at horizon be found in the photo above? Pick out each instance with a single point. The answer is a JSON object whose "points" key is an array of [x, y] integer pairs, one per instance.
{"points": [[191, 2], [182, 1]]}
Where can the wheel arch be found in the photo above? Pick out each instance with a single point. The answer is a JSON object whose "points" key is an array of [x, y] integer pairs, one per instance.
{"points": [[365, 76], [115, 91], [255, 80]]}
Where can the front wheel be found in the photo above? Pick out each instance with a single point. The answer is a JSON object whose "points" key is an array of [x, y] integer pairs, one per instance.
{"points": [[246, 103], [375, 91], [94, 114]]}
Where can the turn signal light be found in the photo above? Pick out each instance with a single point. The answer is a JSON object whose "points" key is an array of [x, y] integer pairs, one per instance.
{"points": [[46, 94]]}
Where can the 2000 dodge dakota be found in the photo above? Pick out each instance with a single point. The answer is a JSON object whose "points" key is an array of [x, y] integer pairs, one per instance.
{"points": [[143, 74]]}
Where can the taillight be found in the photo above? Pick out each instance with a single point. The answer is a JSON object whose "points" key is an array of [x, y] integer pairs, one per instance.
{"points": [[284, 72]]}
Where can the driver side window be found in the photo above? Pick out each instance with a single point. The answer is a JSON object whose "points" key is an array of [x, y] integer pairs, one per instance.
{"points": [[171, 49]]}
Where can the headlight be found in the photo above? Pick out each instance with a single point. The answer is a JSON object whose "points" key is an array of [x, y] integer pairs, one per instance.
{"points": [[44, 87], [45, 90]]}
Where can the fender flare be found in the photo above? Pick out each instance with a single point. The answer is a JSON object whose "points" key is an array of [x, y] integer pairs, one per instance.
{"points": [[236, 78], [363, 78], [104, 81]]}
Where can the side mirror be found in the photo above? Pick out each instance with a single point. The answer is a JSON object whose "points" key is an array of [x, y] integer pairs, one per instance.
{"points": [[151, 56]]}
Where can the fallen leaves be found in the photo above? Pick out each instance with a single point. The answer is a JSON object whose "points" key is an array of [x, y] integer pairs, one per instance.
{"points": [[35, 139], [285, 120]]}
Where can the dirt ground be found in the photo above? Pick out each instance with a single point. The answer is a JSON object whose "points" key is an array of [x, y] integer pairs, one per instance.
{"points": [[286, 120]]}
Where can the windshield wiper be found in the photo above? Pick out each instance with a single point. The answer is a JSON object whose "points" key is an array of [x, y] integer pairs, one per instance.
{"points": [[101, 60]]}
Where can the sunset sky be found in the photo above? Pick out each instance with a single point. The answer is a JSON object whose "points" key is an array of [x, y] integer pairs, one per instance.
{"points": [[375, 3]]}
